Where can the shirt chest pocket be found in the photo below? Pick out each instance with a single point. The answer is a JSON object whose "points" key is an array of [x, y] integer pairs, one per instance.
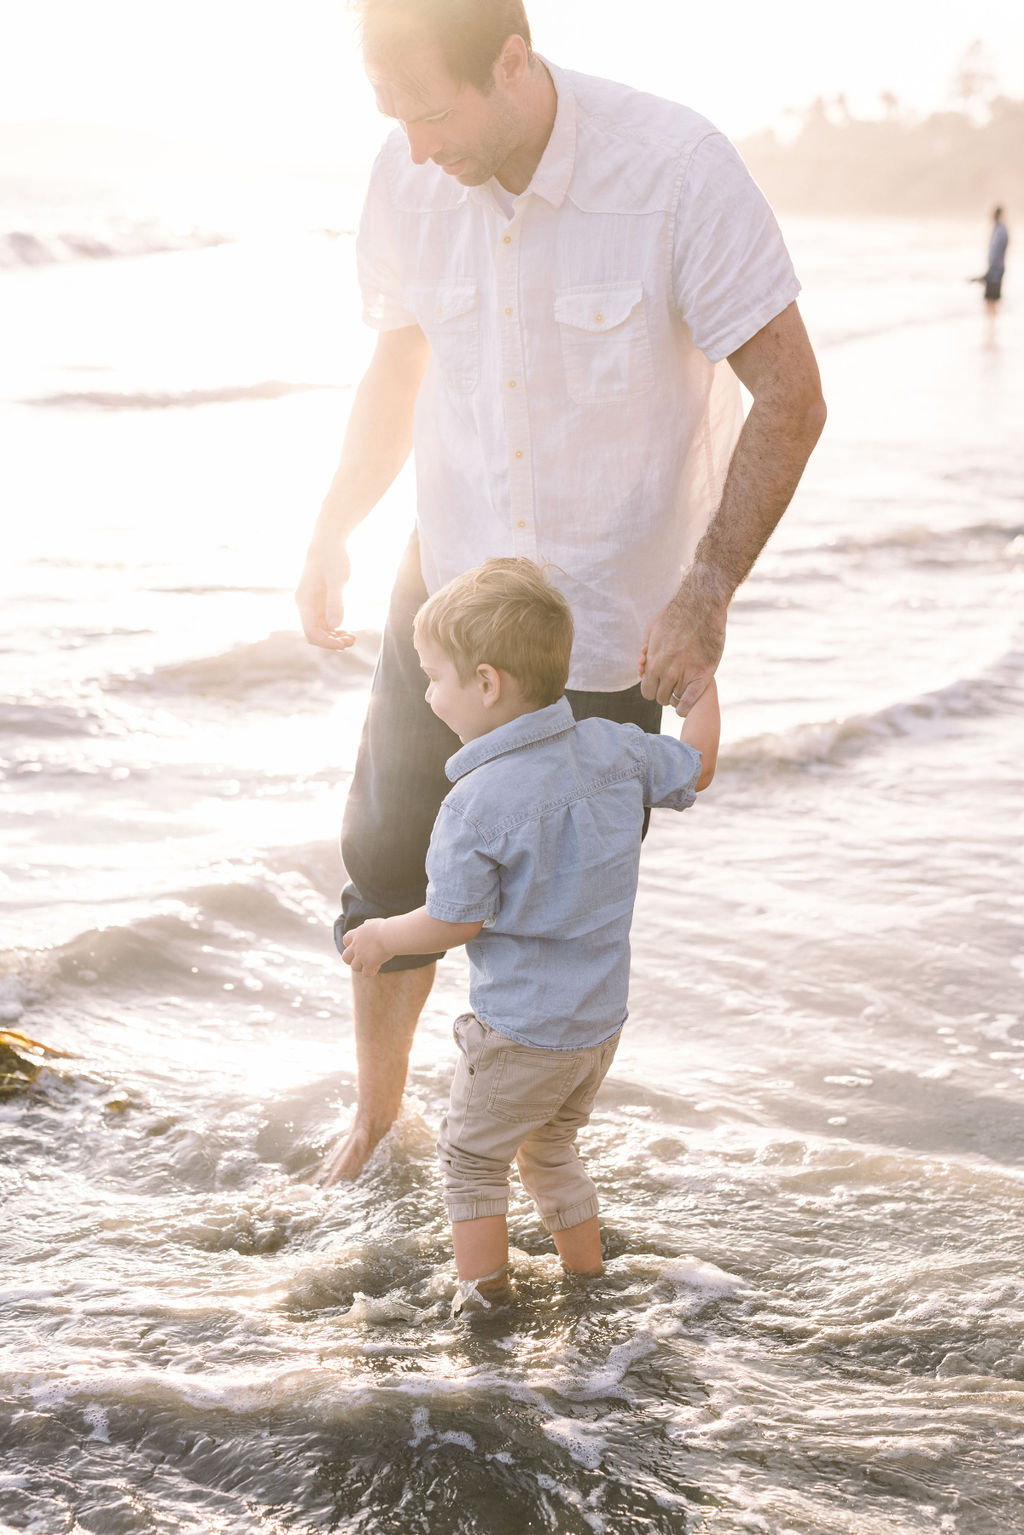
{"points": [[606, 347], [449, 316]]}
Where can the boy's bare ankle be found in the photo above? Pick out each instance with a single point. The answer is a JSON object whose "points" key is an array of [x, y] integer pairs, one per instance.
{"points": [[495, 1289], [492, 1292], [583, 1274]]}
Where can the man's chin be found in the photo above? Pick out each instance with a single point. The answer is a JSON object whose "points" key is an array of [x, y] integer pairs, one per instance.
{"points": [[467, 173]]}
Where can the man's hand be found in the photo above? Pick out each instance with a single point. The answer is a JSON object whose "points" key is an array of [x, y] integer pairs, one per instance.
{"points": [[684, 644], [366, 947], [320, 595]]}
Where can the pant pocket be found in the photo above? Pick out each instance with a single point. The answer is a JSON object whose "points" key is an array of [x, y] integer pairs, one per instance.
{"points": [[529, 1086]]}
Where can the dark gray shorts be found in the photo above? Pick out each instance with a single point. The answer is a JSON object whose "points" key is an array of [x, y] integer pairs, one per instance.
{"points": [[399, 779]]}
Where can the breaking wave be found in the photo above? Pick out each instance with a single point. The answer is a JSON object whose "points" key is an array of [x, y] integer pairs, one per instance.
{"points": [[197, 946], [29, 248], [831, 742], [284, 657], [943, 546], [177, 399]]}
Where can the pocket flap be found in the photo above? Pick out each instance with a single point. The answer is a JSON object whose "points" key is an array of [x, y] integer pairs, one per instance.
{"points": [[435, 304], [597, 309]]}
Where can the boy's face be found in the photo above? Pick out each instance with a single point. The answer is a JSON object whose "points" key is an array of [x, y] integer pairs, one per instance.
{"points": [[459, 704]]}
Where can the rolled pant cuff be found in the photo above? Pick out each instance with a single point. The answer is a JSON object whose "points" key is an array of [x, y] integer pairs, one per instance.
{"points": [[575, 1215], [475, 1209]]}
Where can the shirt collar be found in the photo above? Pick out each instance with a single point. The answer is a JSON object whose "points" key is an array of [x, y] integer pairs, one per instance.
{"points": [[526, 730], [553, 174]]}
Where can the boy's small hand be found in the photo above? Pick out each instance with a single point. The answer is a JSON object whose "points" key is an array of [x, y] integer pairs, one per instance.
{"points": [[365, 949]]}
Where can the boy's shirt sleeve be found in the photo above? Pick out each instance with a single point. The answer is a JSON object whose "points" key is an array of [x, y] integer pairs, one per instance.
{"points": [[462, 878], [673, 768]]}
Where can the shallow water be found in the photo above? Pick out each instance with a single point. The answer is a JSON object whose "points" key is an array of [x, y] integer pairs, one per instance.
{"points": [[810, 1150]]}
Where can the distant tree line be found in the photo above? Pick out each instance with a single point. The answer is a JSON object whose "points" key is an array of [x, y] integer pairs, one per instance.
{"points": [[961, 161]]}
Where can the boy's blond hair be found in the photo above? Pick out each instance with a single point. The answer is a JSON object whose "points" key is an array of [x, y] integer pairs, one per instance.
{"points": [[507, 614]]}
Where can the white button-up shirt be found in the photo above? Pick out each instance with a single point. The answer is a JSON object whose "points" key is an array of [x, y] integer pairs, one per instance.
{"points": [[573, 411]]}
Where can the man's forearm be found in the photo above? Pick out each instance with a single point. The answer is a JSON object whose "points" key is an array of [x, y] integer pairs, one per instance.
{"points": [[684, 641], [770, 456], [378, 438], [785, 421]]}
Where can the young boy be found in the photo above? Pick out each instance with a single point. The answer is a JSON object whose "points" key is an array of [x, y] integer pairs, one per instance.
{"points": [[533, 865]]}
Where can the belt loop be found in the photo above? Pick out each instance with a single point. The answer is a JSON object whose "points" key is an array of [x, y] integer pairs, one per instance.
{"points": [[460, 1039]]}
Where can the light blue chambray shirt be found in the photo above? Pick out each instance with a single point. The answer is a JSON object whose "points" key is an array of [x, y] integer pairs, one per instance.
{"points": [[540, 839]]}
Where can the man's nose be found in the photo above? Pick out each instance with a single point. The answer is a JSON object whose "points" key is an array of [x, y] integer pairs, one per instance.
{"points": [[423, 142]]}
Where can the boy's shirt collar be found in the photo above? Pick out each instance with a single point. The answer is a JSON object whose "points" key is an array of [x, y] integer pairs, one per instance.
{"points": [[526, 730]]}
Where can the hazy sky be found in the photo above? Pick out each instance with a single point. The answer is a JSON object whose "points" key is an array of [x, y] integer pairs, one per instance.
{"points": [[282, 76]]}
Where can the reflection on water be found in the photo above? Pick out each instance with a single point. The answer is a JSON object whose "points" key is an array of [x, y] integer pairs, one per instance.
{"points": [[809, 1153], [219, 1337]]}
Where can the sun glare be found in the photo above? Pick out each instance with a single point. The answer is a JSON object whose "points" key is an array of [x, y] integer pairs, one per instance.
{"points": [[285, 87]]}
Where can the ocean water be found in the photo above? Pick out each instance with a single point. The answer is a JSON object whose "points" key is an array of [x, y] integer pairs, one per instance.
{"points": [[810, 1149]]}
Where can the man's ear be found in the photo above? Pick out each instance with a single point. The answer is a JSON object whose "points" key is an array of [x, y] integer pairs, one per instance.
{"points": [[489, 682], [512, 63]]}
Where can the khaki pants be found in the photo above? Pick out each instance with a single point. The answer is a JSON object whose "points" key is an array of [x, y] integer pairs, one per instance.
{"points": [[512, 1101]]}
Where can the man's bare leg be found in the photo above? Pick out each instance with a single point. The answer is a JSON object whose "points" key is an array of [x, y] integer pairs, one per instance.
{"points": [[386, 1009]]}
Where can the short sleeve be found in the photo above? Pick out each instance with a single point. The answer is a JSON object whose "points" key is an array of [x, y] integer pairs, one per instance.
{"points": [[462, 878], [731, 270], [673, 768], [377, 254]]}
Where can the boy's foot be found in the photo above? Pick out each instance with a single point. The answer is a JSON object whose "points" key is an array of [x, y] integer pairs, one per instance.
{"points": [[579, 1288], [492, 1292]]}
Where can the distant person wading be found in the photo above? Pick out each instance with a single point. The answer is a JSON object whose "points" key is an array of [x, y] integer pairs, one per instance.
{"points": [[993, 279]]}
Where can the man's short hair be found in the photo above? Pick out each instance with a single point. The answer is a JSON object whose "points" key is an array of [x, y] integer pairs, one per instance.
{"points": [[469, 33], [506, 614]]}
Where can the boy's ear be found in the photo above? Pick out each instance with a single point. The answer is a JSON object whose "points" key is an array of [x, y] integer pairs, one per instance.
{"points": [[489, 682]]}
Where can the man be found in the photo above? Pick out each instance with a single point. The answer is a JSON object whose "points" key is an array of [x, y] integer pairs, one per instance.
{"points": [[555, 265]]}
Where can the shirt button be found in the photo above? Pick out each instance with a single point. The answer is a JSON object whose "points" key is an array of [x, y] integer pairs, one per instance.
{"points": [[506, 239], [599, 318], [507, 311], [520, 524], [519, 453], [511, 383]]}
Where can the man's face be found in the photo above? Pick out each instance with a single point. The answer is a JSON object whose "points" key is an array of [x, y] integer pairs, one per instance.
{"points": [[468, 133]]}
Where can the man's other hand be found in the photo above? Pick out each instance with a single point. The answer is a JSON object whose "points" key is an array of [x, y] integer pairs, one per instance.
{"points": [[320, 596]]}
